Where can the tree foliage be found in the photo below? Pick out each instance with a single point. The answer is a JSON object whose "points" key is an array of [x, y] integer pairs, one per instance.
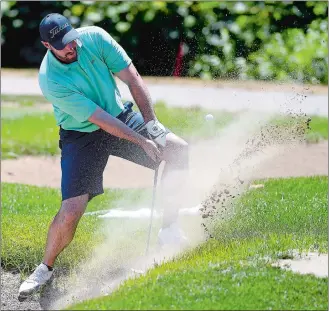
{"points": [[262, 40]]}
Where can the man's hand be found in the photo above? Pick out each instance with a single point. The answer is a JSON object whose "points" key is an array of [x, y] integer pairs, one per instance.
{"points": [[117, 128], [151, 149], [157, 132]]}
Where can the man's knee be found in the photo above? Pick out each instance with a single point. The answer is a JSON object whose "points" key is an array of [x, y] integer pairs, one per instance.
{"points": [[177, 152], [72, 209], [183, 155]]}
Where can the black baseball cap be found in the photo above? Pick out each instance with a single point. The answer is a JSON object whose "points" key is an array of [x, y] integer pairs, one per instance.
{"points": [[57, 30]]}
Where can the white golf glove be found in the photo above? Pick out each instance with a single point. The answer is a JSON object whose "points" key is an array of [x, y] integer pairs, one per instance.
{"points": [[157, 132]]}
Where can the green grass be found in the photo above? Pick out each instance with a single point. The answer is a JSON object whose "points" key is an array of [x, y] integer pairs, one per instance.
{"points": [[30, 135], [320, 125], [319, 129], [13, 113], [290, 206], [26, 215], [217, 278], [234, 272], [30, 131], [23, 100]]}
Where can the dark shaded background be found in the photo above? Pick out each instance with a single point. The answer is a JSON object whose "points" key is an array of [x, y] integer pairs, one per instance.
{"points": [[240, 40]]}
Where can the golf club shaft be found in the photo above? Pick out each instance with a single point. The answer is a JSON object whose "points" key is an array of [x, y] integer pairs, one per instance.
{"points": [[152, 207]]}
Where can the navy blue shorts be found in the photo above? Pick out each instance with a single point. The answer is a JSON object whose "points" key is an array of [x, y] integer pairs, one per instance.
{"points": [[85, 155]]}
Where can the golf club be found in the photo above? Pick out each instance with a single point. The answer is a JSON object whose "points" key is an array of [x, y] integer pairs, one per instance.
{"points": [[156, 171]]}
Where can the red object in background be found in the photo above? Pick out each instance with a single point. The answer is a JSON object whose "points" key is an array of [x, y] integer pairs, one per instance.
{"points": [[179, 61]]}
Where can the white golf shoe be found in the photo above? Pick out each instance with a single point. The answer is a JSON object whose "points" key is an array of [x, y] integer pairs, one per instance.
{"points": [[172, 236], [38, 278]]}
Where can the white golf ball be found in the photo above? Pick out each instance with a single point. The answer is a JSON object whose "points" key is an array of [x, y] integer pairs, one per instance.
{"points": [[209, 117]]}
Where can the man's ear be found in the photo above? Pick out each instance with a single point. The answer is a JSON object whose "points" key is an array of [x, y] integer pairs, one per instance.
{"points": [[46, 44]]}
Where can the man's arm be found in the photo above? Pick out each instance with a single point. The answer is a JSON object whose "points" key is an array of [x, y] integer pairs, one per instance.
{"points": [[117, 128], [118, 62], [138, 90]]}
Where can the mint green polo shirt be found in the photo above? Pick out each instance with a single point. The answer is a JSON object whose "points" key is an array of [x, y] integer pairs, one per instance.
{"points": [[77, 89]]}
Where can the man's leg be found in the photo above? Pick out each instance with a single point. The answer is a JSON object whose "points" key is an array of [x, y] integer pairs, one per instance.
{"points": [[63, 227], [83, 161], [60, 234], [174, 177]]}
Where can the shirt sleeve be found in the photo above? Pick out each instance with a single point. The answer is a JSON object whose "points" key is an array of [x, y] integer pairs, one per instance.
{"points": [[73, 103], [113, 54]]}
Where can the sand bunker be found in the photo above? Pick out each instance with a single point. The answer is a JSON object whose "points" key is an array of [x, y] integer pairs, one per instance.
{"points": [[302, 160], [311, 263]]}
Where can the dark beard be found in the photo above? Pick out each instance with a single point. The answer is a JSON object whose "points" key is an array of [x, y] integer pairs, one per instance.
{"points": [[64, 60]]}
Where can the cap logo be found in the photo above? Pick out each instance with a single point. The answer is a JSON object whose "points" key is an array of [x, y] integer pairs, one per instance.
{"points": [[57, 29]]}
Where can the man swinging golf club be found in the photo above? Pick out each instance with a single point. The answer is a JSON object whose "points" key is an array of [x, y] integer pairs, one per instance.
{"points": [[76, 76]]}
